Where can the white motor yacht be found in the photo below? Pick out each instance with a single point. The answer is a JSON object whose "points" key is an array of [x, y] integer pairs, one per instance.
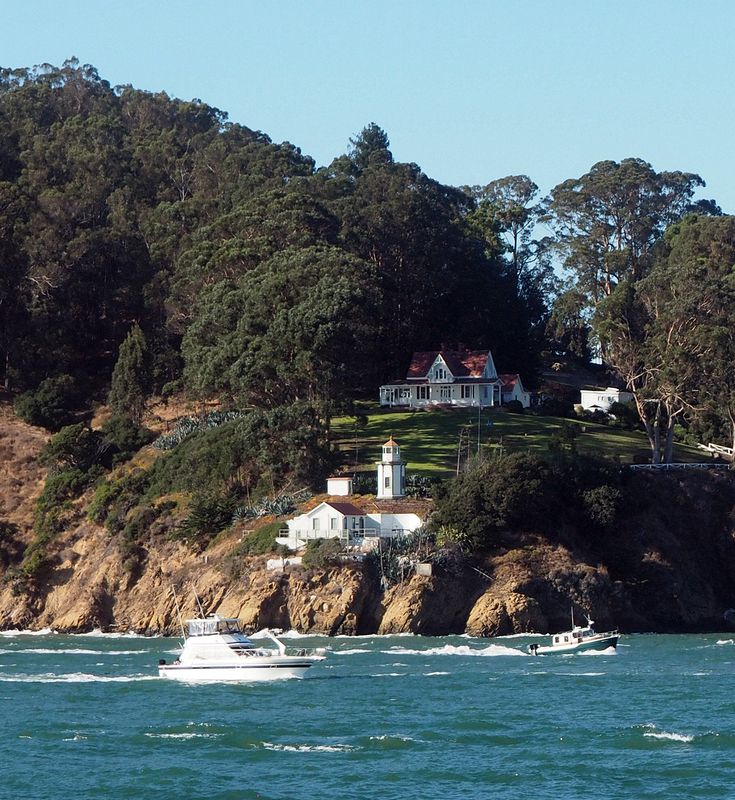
{"points": [[580, 639], [216, 649]]}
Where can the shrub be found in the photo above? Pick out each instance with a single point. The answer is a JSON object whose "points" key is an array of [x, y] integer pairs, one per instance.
{"points": [[208, 515], [113, 499], [602, 504], [74, 447], [514, 406], [50, 405], [124, 437], [556, 407], [626, 415], [261, 542], [321, 553]]}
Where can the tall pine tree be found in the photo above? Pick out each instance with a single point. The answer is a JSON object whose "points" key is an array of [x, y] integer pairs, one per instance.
{"points": [[129, 378]]}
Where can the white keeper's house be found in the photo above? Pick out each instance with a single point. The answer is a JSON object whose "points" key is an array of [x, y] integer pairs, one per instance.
{"points": [[359, 522], [454, 378]]}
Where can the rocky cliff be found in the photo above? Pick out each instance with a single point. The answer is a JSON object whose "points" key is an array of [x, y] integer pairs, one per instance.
{"points": [[669, 566]]}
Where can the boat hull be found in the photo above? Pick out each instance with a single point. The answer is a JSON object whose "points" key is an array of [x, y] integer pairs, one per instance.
{"points": [[276, 669], [597, 644]]}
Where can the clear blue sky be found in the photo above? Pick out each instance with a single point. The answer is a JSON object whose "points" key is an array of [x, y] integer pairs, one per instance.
{"points": [[471, 90]]}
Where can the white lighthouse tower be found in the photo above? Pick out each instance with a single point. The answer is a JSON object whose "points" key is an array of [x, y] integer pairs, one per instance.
{"points": [[391, 472]]}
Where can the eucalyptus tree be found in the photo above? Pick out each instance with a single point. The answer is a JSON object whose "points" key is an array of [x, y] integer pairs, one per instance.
{"points": [[691, 292], [506, 217], [670, 335], [608, 220]]}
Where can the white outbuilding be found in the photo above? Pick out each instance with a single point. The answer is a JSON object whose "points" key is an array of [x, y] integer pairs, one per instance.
{"points": [[602, 399]]}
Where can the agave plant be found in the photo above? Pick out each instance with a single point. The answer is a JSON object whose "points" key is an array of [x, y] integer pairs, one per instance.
{"points": [[185, 426]]}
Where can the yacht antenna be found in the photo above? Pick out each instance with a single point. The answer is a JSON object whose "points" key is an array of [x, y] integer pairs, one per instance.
{"points": [[201, 610], [178, 610]]}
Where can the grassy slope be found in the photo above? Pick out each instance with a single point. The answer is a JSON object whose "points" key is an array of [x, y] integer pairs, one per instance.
{"points": [[429, 439]]}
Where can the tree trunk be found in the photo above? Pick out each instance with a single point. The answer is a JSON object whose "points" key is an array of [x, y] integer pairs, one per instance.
{"points": [[669, 449]]}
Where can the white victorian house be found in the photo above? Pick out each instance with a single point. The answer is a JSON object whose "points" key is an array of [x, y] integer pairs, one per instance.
{"points": [[347, 520], [454, 378]]}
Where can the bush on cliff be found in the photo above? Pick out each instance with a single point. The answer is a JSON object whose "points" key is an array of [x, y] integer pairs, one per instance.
{"points": [[525, 493], [50, 405], [321, 553], [262, 542]]}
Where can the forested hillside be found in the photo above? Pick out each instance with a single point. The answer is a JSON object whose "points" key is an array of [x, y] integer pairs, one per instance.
{"points": [[153, 252], [251, 274]]}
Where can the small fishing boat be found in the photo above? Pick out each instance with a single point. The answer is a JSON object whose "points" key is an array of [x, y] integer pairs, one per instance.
{"points": [[216, 649], [580, 639]]}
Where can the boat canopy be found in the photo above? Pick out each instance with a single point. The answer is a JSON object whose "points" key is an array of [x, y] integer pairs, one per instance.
{"points": [[212, 625]]}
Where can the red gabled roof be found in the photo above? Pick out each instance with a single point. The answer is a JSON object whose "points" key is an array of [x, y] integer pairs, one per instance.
{"points": [[461, 363], [509, 380], [421, 363], [347, 509]]}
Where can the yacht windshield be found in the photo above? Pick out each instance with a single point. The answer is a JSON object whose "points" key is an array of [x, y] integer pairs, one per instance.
{"points": [[212, 625]]}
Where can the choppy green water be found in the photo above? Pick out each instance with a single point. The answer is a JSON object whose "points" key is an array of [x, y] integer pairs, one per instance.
{"points": [[384, 717]]}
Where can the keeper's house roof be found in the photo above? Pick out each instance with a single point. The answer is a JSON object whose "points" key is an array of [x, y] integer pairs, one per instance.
{"points": [[461, 363]]}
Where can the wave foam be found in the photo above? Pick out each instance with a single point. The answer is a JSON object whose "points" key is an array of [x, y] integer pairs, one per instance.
{"points": [[310, 748], [652, 733], [74, 651], [187, 735], [42, 632], [458, 650], [75, 677]]}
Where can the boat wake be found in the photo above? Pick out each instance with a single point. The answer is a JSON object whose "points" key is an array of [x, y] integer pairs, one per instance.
{"points": [[71, 651], [74, 677], [457, 650]]}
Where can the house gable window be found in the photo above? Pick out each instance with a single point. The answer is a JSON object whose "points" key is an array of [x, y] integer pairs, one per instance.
{"points": [[386, 483], [315, 524]]}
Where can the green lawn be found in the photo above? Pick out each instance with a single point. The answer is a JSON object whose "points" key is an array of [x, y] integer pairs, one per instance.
{"points": [[429, 440]]}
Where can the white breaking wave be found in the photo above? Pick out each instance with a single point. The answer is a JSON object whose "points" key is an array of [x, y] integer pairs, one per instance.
{"points": [[379, 636], [726, 641], [458, 650], [431, 674], [73, 651], [387, 736], [652, 733], [42, 632], [292, 634], [116, 635], [187, 735], [354, 652], [674, 737], [75, 677], [310, 748], [583, 674]]}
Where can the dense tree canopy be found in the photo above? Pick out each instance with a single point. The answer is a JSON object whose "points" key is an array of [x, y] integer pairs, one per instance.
{"points": [[119, 205], [255, 276]]}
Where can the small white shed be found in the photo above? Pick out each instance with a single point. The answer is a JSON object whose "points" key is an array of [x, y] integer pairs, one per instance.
{"points": [[339, 486]]}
